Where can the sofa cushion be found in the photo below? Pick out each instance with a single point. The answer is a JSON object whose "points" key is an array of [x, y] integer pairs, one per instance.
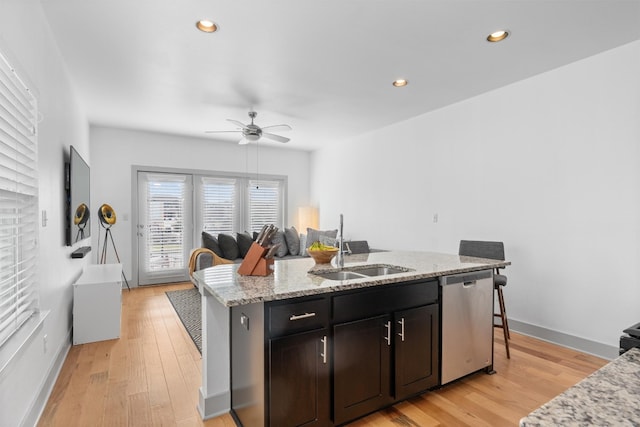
{"points": [[244, 243], [211, 243], [279, 238], [293, 240], [229, 246]]}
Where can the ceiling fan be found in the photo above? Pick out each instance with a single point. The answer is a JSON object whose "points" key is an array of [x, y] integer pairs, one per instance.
{"points": [[253, 132]]}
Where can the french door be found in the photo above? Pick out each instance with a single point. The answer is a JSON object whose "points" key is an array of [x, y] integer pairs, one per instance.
{"points": [[165, 227]]}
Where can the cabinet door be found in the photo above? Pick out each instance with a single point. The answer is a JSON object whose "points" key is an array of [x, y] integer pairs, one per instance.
{"points": [[299, 380], [416, 350], [362, 367]]}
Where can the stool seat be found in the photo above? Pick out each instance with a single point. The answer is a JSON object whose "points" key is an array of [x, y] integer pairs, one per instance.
{"points": [[499, 280]]}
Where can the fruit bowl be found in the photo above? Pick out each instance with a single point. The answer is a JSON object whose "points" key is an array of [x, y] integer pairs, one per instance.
{"points": [[322, 256]]}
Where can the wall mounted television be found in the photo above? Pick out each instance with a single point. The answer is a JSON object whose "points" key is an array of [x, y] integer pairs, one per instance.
{"points": [[78, 206]]}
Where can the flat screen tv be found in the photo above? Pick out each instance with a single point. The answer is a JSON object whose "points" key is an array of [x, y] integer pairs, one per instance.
{"points": [[78, 221]]}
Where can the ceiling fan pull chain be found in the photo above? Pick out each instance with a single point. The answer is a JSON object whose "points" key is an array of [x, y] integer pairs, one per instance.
{"points": [[257, 165]]}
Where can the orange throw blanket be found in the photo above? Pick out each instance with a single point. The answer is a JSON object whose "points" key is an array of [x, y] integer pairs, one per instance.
{"points": [[194, 255]]}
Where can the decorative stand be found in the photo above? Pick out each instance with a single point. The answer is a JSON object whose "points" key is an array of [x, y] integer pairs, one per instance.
{"points": [[255, 264]]}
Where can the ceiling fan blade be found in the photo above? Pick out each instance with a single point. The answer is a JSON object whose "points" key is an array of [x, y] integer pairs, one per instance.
{"points": [[275, 137], [277, 127], [222, 131], [237, 123]]}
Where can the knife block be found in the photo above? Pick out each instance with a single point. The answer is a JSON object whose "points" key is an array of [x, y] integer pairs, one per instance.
{"points": [[254, 263]]}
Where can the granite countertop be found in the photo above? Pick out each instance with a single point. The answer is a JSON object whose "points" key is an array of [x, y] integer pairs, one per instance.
{"points": [[608, 397], [291, 278]]}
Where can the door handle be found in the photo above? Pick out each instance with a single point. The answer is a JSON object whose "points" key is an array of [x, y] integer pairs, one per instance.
{"points": [[401, 334], [324, 349], [388, 337]]}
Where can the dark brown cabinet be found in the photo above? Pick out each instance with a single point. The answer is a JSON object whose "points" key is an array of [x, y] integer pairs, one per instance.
{"points": [[327, 360], [299, 380], [362, 367], [416, 350], [388, 351]]}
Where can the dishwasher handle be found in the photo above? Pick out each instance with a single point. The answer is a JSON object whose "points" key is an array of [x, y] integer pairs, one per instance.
{"points": [[469, 284]]}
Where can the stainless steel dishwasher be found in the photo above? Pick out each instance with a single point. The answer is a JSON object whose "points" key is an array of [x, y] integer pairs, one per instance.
{"points": [[467, 324]]}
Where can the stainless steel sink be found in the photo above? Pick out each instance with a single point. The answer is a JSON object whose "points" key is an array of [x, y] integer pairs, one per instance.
{"points": [[360, 272], [339, 275], [381, 270]]}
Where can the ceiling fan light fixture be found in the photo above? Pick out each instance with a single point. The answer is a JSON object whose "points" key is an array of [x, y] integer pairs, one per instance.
{"points": [[497, 36], [400, 83], [252, 137], [207, 26]]}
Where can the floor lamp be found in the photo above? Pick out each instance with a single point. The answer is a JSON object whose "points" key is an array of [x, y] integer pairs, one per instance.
{"points": [[107, 217]]}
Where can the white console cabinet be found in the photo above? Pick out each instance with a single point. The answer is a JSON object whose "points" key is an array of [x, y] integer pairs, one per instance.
{"points": [[97, 301]]}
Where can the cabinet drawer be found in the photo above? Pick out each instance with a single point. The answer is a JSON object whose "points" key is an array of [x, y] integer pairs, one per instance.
{"points": [[383, 299], [298, 316]]}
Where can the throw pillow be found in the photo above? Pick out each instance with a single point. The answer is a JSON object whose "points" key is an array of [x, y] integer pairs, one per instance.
{"points": [[314, 236], [303, 245], [293, 241], [229, 246], [211, 243], [244, 243], [329, 241], [282, 250]]}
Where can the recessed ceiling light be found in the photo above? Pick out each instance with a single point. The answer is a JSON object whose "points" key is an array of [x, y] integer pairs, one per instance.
{"points": [[498, 36], [206, 26], [400, 83]]}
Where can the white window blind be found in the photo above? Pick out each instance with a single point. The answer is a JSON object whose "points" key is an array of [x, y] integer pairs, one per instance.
{"points": [[166, 198], [18, 202], [265, 203], [219, 206]]}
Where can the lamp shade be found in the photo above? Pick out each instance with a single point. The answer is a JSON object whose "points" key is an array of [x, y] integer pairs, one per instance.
{"points": [[307, 218], [82, 215], [107, 215]]}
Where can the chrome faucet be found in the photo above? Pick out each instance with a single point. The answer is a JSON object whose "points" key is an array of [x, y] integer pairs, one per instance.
{"points": [[340, 259]]}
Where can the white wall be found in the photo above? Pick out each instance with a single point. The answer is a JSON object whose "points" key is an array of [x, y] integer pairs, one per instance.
{"points": [[114, 151], [26, 39], [549, 165]]}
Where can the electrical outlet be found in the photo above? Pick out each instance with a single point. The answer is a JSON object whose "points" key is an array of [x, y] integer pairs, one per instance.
{"points": [[44, 342], [435, 217]]}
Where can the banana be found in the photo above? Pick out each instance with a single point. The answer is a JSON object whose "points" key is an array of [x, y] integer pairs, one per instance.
{"points": [[317, 246]]}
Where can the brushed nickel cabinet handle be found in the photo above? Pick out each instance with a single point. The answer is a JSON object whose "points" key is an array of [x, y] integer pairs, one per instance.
{"points": [[388, 337], [324, 349], [301, 316], [401, 334]]}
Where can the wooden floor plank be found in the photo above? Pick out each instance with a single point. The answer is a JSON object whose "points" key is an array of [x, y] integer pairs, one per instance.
{"points": [[151, 376]]}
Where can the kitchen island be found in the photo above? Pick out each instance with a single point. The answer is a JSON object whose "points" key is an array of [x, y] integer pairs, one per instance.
{"points": [[225, 293]]}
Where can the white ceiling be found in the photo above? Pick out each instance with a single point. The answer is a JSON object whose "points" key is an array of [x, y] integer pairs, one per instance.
{"points": [[324, 67]]}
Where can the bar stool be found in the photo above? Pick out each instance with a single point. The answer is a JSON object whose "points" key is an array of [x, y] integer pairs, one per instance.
{"points": [[491, 250]]}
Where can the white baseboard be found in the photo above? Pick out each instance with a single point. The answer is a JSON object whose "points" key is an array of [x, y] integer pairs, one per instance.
{"points": [[570, 341], [40, 401]]}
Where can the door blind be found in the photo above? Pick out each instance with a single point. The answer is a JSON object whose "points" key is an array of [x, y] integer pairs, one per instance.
{"points": [[18, 202], [166, 197], [265, 201], [219, 205]]}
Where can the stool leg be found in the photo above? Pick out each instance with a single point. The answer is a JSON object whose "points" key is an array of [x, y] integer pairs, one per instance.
{"points": [[503, 312], [503, 318]]}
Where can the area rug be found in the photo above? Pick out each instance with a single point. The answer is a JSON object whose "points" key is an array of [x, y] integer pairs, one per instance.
{"points": [[187, 304]]}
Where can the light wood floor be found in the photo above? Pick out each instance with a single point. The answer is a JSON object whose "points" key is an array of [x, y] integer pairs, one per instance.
{"points": [[151, 375]]}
